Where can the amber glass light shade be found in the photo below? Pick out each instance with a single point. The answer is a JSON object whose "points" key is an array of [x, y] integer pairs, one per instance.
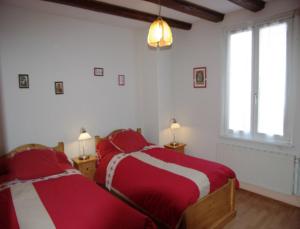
{"points": [[160, 34]]}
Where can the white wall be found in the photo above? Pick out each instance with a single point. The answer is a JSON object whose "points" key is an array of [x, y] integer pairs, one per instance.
{"points": [[52, 48], [2, 128], [165, 101], [155, 102], [199, 110], [146, 63]]}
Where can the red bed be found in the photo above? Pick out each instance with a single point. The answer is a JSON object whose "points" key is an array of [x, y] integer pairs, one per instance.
{"points": [[35, 195], [160, 182]]}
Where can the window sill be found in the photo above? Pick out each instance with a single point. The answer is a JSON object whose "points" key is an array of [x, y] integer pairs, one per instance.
{"points": [[280, 144]]}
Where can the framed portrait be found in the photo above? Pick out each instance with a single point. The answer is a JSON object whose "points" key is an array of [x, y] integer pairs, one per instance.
{"points": [[121, 80], [59, 87], [98, 71], [23, 81], [199, 77]]}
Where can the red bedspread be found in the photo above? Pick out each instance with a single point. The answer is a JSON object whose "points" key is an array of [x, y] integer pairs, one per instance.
{"points": [[75, 202], [160, 193]]}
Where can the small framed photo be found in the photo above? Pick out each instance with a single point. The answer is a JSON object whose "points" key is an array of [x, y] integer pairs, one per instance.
{"points": [[121, 80], [199, 77], [98, 71], [23, 81], [59, 87]]}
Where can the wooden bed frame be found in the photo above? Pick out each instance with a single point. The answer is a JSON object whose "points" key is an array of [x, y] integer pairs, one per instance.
{"points": [[59, 147], [213, 211]]}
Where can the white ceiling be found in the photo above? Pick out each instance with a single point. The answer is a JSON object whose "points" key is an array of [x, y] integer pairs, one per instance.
{"points": [[223, 6]]}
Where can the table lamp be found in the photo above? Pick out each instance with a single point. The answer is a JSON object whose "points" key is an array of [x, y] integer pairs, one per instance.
{"points": [[82, 140], [174, 125]]}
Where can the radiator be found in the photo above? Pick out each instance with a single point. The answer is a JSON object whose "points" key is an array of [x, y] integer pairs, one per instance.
{"points": [[276, 171]]}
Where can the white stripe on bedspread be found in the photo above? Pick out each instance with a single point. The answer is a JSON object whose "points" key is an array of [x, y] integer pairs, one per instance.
{"points": [[111, 168], [30, 211], [200, 179], [67, 172]]}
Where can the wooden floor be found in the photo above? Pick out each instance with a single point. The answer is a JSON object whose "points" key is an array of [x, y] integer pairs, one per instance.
{"points": [[254, 211]]}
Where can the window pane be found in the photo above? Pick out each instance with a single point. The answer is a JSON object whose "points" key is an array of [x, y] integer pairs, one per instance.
{"points": [[272, 79], [240, 60]]}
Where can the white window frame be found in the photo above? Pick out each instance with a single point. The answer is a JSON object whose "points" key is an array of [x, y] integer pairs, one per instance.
{"points": [[254, 136]]}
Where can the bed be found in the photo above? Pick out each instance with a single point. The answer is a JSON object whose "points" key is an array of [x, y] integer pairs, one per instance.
{"points": [[147, 177], [40, 189]]}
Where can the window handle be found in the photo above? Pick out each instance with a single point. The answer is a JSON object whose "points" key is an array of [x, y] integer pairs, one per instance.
{"points": [[255, 98]]}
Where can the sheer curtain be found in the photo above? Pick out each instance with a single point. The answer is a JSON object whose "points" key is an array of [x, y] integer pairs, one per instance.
{"points": [[259, 93], [239, 88], [272, 79]]}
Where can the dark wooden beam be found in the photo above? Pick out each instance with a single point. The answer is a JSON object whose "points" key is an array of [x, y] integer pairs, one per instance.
{"points": [[120, 11], [191, 9], [253, 5]]}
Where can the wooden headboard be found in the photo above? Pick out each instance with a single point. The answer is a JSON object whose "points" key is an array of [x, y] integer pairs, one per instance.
{"points": [[59, 147], [99, 139]]}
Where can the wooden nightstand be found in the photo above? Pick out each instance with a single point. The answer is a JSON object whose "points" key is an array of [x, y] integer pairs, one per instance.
{"points": [[86, 167], [179, 148]]}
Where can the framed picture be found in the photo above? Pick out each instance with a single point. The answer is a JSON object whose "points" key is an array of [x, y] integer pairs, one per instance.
{"points": [[59, 87], [199, 77], [98, 71], [121, 80], [23, 81]]}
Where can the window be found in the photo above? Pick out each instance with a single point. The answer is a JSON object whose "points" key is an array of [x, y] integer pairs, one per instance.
{"points": [[272, 79], [240, 72], [256, 104]]}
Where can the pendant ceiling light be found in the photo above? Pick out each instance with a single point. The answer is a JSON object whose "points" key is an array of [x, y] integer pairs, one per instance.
{"points": [[160, 34]]}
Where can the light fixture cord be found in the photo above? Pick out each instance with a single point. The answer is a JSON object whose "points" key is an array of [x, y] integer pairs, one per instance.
{"points": [[159, 11]]}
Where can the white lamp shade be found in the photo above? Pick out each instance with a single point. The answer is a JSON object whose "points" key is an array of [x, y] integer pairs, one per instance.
{"points": [[175, 125], [160, 34], [84, 136]]}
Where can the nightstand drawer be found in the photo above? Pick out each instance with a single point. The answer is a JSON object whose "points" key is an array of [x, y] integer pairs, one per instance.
{"points": [[89, 173], [86, 167], [178, 148]]}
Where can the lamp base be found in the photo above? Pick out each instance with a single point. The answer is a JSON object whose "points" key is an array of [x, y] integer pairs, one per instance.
{"points": [[174, 144], [84, 157]]}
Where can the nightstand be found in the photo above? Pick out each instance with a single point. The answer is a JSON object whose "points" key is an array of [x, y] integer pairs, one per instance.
{"points": [[179, 147], [86, 167]]}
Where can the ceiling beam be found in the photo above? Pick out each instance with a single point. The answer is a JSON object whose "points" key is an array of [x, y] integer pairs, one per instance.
{"points": [[121, 11], [253, 5], [191, 9]]}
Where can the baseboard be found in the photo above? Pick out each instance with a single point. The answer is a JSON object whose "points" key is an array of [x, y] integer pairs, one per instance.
{"points": [[288, 199]]}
